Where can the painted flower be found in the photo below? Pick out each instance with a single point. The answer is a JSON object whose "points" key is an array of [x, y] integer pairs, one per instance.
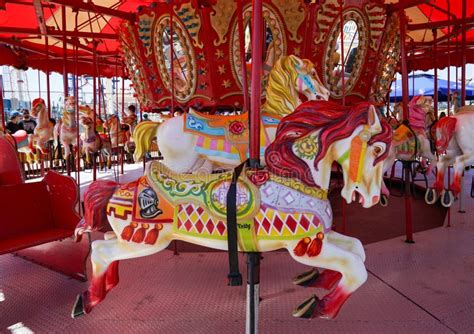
{"points": [[237, 127], [259, 177], [307, 148]]}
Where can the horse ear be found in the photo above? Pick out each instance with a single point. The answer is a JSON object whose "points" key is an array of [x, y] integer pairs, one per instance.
{"points": [[373, 118]]}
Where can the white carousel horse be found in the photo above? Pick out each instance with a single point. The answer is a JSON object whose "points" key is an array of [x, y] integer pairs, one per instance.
{"points": [[197, 142], [284, 206], [413, 141], [43, 132], [93, 142], [66, 128], [455, 145]]}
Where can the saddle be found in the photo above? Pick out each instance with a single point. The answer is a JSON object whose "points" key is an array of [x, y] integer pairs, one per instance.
{"points": [[227, 136]]}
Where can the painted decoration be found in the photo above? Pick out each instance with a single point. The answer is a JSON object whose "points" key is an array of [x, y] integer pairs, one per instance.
{"points": [[283, 206], [212, 142]]}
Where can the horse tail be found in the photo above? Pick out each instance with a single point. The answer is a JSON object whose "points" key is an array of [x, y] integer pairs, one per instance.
{"points": [[95, 203], [445, 129], [143, 136]]}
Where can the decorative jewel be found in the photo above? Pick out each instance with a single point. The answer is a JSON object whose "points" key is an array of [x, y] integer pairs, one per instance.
{"points": [[259, 177], [236, 127]]}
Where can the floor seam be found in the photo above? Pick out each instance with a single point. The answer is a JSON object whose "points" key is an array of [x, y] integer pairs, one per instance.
{"points": [[411, 300]]}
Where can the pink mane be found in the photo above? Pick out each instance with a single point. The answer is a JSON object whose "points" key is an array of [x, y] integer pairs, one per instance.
{"points": [[335, 122], [445, 128]]}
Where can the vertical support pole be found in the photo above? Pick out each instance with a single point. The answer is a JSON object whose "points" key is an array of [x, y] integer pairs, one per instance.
{"points": [[240, 21], [2, 107], [449, 209], [463, 53], [94, 101], [63, 19], [253, 294], [435, 58], [39, 83], [257, 49], [406, 168], [123, 112], [449, 57], [343, 87], [48, 84], [76, 95], [171, 40]]}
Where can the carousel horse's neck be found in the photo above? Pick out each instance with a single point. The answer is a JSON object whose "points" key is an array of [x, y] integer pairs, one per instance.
{"points": [[69, 120], [90, 134], [43, 119]]}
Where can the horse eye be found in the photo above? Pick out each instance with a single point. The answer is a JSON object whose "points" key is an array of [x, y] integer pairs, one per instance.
{"points": [[378, 150]]}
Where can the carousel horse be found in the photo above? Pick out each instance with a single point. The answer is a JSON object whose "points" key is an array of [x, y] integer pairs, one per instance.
{"points": [[411, 141], [94, 143], [66, 128], [118, 132], [44, 129], [455, 146], [282, 206], [215, 142]]}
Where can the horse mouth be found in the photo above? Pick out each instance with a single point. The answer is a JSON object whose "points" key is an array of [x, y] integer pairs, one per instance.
{"points": [[357, 197]]}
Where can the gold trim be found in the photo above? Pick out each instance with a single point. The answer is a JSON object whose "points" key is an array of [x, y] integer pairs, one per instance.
{"points": [[163, 99], [220, 19], [202, 96], [324, 17], [230, 94], [376, 16], [294, 14], [183, 13], [146, 21]]}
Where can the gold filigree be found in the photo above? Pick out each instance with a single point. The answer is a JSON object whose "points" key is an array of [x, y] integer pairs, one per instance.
{"points": [[300, 186], [191, 21], [376, 15], [145, 25], [220, 19], [327, 13], [293, 13]]}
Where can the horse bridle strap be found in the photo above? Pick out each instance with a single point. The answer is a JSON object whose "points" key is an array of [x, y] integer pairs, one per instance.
{"points": [[235, 278]]}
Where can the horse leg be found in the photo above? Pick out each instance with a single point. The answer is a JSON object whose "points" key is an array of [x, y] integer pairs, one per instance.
{"points": [[328, 278], [105, 256], [336, 259], [432, 194], [459, 163]]}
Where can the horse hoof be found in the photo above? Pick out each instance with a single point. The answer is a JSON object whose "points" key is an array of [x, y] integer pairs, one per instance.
{"points": [[384, 200], [307, 308], [78, 309], [306, 278], [447, 198], [431, 196]]}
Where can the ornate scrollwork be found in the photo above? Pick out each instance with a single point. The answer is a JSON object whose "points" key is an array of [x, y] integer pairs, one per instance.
{"points": [[388, 62], [332, 74], [294, 14], [145, 24], [184, 60], [276, 48], [325, 16], [376, 15], [191, 21], [220, 19]]}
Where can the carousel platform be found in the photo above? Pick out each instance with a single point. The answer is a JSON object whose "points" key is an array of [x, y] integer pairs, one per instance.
{"points": [[426, 287]]}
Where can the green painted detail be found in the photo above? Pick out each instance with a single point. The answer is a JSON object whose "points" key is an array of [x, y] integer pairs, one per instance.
{"points": [[343, 157], [246, 236]]}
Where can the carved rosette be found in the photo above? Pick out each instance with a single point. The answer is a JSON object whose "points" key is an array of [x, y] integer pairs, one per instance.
{"points": [[184, 58], [221, 17], [388, 63]]}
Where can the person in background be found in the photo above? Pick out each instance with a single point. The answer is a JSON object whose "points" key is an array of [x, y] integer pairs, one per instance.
{"points": [[145, 117], [14, 124], [29, 124]]}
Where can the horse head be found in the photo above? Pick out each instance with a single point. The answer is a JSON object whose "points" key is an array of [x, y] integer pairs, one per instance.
{"points": [[38, 106], [321, 132], [87, 122], [70, 105], [308, 82]]}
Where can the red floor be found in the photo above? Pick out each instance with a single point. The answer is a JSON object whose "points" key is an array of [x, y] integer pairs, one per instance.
{"points": [[426, 287]]}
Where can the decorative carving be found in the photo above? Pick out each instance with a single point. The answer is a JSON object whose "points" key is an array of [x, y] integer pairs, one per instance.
{"points": [[191, 21], [294, 14], [376, 15], [389, 58], [145, 24], [332, 76], [220, 19], [325, 16], [185, 76], [275, 49]]}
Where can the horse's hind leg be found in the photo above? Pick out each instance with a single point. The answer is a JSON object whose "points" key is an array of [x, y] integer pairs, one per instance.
{"points": [[336, 259], [104, 257]]}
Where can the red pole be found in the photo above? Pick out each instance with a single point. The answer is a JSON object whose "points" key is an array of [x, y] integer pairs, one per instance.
{"points": [[406, 167], [48, 85], [343, 82], [463, 53], [240, 20], [76, 95], [63, 19], [94, 99], [171, 41], [123, 112], [435, 58], [2, 110], [254, 117], [449, 58]]}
